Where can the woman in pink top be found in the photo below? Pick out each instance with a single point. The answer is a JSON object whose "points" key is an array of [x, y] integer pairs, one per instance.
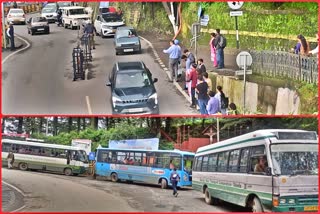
{"points": [[213, 50]]}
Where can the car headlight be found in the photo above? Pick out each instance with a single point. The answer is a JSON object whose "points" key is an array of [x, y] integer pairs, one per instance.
{"points": [[106, 27], [282, 201], [115, 100], [155, 97], [291, 201], [118, 44]]}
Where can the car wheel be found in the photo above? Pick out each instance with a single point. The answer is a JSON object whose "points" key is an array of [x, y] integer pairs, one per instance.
{"points": [[24, 23], [164, 183], [28, 31], [23, 166], [117, 53], [102, 36], [64, 25], [67, 171], [32, 32]]}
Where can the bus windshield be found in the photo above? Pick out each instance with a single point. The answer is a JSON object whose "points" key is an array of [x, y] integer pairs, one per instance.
{"points": [[188, 162], [295, 159], [83, 156]]}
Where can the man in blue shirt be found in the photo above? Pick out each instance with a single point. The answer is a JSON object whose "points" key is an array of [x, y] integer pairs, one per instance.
{"points": [[10, 34], [174, 52]]}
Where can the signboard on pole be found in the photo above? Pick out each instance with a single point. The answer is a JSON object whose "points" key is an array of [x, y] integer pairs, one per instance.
{"points": [[195, 29], [85, 144], [146, 144], [205, 20], [236, 13], [244, 59], [235, 5], [104, 4]]}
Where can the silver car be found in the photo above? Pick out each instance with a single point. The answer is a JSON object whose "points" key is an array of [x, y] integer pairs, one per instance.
{"points": [[16, 16], [126, 40], [49, 13], [38, 25]]}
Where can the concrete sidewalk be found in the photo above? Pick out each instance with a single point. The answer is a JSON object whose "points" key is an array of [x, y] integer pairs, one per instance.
{"points": [[18, 44]]}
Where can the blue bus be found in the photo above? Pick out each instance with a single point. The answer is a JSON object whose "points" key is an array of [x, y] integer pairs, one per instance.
{"points": [[144, 165]]}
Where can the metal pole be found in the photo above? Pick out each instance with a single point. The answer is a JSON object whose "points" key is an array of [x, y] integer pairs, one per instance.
{"points": [[244, 84], [237, 32], [3, 28], [195, 39], [218, 130]]}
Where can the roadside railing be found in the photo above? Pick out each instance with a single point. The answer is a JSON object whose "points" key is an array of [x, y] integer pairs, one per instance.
{"points": [[286, 65]]}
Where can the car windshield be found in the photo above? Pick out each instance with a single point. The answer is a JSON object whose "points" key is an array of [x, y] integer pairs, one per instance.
{"points": [[132, 80], [126, 33], [77, 11], [83, 156], [16, 11], [295, 159], [188, 162], [50, 6], [64, 4], [48, 10], [111, 18], [39, 19]]}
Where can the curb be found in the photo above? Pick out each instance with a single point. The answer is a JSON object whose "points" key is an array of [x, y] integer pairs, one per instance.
{"points": [[17, 51], [165, 69]]}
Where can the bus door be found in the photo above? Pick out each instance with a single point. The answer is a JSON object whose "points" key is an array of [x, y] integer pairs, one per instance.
{"points": [[104, 160], [186, 175]]}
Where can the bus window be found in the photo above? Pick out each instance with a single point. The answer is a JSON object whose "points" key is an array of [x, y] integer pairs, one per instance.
{"points": [[223, 161], [258, 160], [122, 157], [6, 147], [176, 161], [188, 162], [233, 161], [212, 163], [137, 158], [204, 167], [198, 163], [103, 156], [244, 160], [162, 160]]}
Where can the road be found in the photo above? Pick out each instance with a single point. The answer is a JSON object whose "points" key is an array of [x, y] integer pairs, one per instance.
{"points": [[38, 80], [51, 192]]}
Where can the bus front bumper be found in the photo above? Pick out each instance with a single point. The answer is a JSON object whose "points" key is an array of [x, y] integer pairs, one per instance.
{"points": [[296, 208]]}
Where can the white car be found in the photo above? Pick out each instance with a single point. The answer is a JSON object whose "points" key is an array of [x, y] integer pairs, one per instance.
{"points": [[72, 17], [49, 13], [107, 24], [16, 16]]}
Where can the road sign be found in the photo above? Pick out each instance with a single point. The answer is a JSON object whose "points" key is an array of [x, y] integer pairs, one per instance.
{"points": [[205, 20], [236, 13], [235, 5], [244, 58], [196, 27], [241, 72]]}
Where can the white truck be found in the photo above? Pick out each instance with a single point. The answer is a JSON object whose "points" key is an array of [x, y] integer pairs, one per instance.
{"points": [[72, 17]]}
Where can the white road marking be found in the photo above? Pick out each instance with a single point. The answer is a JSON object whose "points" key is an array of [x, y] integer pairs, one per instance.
{"points": [[7, 57], [17, 210], [13, 187], [88, 105]]}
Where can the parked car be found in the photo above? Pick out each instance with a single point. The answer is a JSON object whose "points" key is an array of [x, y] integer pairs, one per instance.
{"points": [[132, 89], [38, 25], [107, 24], [73, 16], [50, 14], [16, 16], [127, 40]]}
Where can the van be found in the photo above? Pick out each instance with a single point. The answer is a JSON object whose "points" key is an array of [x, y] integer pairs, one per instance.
{"points": [[72, 17]]}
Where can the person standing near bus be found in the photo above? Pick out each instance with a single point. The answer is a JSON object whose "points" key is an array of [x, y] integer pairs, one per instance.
{"points": [[10, 160], [174, 178]]}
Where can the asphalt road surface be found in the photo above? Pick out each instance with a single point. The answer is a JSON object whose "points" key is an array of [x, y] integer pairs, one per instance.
{"points": [[47, 192], [38, 80]]}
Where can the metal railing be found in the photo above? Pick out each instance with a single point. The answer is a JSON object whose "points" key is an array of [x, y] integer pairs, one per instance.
{"points": [[286, 65]]}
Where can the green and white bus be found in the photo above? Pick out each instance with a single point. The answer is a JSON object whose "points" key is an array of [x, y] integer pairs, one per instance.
{"points": [[266, 170], [47, 157]]}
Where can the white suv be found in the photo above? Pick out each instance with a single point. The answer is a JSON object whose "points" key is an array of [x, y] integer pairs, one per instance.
{"points": [[107, 24], [73, 16]]}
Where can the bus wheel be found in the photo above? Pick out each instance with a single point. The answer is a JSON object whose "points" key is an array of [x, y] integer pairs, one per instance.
{"points": [[114, 177], [23, 166], [207, 197], [256, 205], [164, 184], [68, 171]]}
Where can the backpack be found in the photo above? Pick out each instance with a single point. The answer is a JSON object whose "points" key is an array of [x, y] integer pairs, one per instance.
{"points": [[223, 41], [224, 101], [175, 177]]}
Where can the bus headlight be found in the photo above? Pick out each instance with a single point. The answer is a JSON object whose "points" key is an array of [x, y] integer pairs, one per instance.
{"points": [[275, 200], [292, 201]]}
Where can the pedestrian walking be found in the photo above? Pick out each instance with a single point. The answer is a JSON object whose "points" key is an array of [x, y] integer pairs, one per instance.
{"points": [[174, 52], [174, 178], [202, 91], [89, 30], [10, 159], [193, 78], [213, 50], [220, 43], [10, 34]]}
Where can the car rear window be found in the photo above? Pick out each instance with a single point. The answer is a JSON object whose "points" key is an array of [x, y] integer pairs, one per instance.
{"points": [[39, 19], [132, 80], [126, 33], [16, 11], [111, 18]]}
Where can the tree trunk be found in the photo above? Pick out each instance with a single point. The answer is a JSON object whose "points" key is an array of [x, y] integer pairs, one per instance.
{"points": [[78, 124], [55, 126], [84, 125], [168, 124], [20, 125], [94, 123], [40, 125], [170, 14], [69, 124]]}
